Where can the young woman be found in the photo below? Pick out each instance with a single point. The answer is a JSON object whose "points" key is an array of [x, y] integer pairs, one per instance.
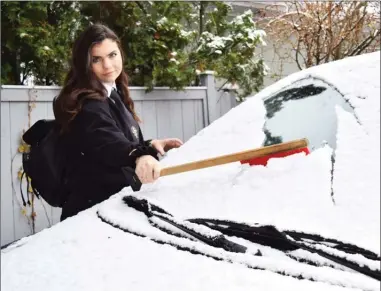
{"points": [[105, 146]]}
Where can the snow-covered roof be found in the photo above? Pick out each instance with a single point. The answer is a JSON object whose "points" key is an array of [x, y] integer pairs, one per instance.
{"points": [[292, 193], [275, 5]]}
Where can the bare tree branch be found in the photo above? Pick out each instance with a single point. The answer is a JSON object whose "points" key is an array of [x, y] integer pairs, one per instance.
{"points": [[318, 32], [362, 46], [297, 53]]}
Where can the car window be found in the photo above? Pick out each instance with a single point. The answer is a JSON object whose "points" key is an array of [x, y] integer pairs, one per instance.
{"points": [[305, 109]]}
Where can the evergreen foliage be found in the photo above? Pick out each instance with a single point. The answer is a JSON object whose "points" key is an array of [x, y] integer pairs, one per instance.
{"points": [[166, 43]]}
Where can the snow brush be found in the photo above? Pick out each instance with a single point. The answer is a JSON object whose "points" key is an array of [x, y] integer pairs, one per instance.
{"points": [[258, 156]]}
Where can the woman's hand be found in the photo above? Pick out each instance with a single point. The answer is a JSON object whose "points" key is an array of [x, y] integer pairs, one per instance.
{"points": [[147, 169], [164, 145]]}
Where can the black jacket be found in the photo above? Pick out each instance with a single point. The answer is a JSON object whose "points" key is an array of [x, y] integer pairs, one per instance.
{"points": [[102, 144]]}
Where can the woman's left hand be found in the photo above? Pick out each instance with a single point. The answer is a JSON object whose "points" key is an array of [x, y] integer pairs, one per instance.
{"points": [[164, 145]]}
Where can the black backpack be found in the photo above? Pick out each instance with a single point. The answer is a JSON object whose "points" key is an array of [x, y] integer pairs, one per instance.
{"points": [[45, 163]]}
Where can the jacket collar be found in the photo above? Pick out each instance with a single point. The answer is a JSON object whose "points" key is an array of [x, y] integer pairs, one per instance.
{"points": [[109, 88]]}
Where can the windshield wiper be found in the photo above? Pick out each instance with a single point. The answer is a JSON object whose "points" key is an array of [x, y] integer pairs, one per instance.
{"points": [[269, 235], [216, 240]]}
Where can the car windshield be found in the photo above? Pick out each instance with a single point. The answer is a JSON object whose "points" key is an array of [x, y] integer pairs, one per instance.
{"points": [[305, 109]]}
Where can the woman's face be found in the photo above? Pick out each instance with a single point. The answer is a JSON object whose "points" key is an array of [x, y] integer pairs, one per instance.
{"points": [[106, 61]]}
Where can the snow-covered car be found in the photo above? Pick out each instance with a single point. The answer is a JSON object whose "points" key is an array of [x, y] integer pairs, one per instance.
{"points": [[302, 222]]}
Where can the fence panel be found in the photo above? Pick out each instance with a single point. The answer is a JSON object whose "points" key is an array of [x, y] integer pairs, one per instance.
{"points": [[7, 220]]}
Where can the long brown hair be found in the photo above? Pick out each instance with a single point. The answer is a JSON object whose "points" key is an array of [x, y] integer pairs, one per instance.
{"points": [[81, 83]]}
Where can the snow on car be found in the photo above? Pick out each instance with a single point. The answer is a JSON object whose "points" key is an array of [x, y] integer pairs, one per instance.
{"points": [[303, 222]]}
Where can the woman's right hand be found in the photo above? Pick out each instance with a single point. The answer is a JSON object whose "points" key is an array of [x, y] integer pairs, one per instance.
{"points": [[147, 169]]}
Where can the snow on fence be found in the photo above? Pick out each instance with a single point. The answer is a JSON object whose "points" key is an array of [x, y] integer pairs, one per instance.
{"points": [[164, 113]]}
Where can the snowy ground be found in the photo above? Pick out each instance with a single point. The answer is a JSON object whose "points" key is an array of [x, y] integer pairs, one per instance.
{"points": [[293, 193]]}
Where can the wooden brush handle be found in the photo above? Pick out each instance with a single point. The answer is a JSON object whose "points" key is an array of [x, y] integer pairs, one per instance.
{"points": [[236, 157]]}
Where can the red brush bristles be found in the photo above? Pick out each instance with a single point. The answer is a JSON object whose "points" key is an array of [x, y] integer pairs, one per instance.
{"points": [[263, 160]]}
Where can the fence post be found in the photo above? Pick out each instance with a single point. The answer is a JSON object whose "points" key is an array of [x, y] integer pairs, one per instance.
{"points": [[233, 98], [213, 104], [207, 79]]}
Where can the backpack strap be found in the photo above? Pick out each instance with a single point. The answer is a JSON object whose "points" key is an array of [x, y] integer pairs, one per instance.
{"points": [[28, 184], [21, 192]]}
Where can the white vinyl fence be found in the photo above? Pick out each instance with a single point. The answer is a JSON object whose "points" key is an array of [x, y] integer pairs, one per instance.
{"points": [[164, 113]]}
